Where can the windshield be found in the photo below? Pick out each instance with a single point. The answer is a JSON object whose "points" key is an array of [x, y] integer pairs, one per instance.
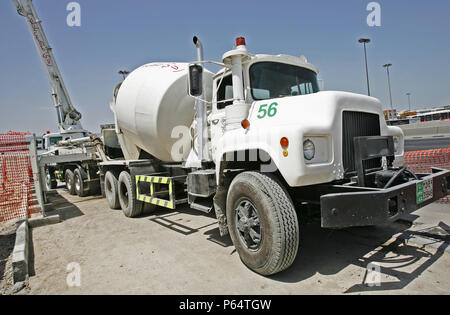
{"points": [[273, 79], [54, 140]]}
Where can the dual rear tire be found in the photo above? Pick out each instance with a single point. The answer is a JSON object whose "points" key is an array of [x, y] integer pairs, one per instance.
{"points": [[120, 191], [131, 207], [75, 184]]}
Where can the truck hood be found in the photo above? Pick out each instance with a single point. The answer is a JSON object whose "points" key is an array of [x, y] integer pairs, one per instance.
{"points": [[316, 110]]}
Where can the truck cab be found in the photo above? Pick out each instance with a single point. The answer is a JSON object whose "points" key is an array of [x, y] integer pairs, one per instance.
{"points": [[282, 100], [51, 140], [275, 133]]}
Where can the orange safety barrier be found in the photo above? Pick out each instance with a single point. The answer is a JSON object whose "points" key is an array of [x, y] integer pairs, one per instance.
{"points": [[422, 161], [16, 178]]}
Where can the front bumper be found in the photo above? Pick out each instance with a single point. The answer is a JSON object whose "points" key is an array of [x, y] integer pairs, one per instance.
{"points": [[365, 206]]}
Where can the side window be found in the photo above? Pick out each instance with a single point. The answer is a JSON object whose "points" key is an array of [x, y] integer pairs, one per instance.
{"points": [[225, 92]]}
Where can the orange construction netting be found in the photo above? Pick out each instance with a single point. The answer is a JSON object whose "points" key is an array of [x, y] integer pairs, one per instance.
{"points": [[422, 161], [16, 178]]}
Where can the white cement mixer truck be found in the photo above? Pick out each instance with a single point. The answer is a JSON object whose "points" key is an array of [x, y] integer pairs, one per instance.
{"points": [[258, 143]]}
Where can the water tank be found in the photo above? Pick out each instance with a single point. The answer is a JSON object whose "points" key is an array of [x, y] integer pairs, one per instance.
{"points": [[153, 100]]}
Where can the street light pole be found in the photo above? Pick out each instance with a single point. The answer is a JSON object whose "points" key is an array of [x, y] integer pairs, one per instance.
{"points": [[389, 83], [365, 41], [409, 100]]}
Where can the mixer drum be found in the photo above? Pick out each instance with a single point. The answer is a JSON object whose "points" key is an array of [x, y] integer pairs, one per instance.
{"points": [[151, 102]]}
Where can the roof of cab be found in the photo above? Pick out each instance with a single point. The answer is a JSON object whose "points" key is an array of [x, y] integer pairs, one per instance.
{"points": [[293, 60]]}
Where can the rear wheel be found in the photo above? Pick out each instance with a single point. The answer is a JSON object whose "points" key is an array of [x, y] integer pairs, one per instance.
{"points": [[80, 186], [127, 196], [262, 222], [70, 185], [112, 190]]}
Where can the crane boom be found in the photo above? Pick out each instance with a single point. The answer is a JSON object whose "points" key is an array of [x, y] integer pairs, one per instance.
{"points": [[68, 116]]}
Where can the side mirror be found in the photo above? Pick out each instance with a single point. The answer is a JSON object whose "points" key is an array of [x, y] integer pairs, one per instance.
{"points": [[195, 80]]}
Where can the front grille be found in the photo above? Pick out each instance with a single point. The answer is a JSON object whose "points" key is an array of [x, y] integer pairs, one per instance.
{"points": [[358, 124]]}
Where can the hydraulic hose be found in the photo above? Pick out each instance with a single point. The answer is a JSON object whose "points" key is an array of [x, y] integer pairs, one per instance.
{"points": [[393, 178]]}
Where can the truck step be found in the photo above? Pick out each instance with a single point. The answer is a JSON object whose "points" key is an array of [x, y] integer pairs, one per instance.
{"points": [[202, 208], [202, 204]]}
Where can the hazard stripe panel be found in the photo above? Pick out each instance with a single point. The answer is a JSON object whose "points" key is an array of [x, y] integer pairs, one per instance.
{"points": [[150, 198]]}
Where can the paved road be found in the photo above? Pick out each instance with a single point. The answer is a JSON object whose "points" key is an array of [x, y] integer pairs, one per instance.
{"points": [[182, 253], [427, 143]]}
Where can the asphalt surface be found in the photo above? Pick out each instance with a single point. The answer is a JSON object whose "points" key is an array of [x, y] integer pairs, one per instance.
{"points": [[436, 142]]}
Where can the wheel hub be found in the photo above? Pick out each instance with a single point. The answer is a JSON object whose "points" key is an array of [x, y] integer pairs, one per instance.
{"points": [[248, 225]]}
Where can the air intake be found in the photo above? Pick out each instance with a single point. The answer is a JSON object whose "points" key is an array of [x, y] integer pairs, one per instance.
{"points": [[358, 124]]}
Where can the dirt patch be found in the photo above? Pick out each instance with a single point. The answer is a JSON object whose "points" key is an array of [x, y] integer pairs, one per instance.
{"points": [[7, 240]]}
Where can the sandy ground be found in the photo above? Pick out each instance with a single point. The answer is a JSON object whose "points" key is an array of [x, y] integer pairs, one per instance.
{"points": [[182, 253], [7, 239]]}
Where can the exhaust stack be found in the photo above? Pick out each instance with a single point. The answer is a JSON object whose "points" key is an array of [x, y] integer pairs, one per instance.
{"points": [[200, 109]]}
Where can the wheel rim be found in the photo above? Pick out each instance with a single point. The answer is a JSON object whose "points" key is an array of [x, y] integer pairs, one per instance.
{"points": [[248, 225], [68, 183]]}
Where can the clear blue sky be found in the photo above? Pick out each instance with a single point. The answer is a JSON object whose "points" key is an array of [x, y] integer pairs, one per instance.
{"points": [[117, 35]]}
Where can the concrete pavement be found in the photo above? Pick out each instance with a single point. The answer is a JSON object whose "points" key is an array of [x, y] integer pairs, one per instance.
{"points": [[430, 226]]}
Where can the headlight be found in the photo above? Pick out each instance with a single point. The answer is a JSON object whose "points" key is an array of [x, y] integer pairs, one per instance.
{"points": [[309, 150]]}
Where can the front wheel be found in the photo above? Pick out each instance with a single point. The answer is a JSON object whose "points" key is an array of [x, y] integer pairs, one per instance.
{"points": [[262, 222]]}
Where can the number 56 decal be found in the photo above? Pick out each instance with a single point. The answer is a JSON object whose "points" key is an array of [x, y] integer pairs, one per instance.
{"points": [[270, 111]]}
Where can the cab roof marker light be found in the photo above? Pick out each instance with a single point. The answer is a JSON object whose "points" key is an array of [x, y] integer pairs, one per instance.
{"points": [[240, 41]]}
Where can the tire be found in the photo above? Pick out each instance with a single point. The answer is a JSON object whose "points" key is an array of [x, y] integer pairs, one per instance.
{"points": [[70, 182], [50, 180], [255, 197], [127, 196], [112, 190], [79, 184]]}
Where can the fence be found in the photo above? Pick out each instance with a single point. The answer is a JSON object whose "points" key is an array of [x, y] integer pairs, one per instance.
{"points": [[422, 161], [16, 178]]}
